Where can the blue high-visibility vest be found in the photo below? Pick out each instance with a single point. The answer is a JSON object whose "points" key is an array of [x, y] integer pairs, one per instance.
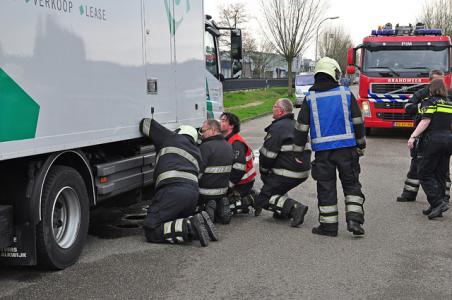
{"points": [[331, 124]]}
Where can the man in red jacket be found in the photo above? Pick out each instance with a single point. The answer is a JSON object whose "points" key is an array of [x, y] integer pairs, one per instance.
{"points": [[241, 180]]}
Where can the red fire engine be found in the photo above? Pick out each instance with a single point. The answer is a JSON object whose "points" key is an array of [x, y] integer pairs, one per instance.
{"points": [[393, 65]]}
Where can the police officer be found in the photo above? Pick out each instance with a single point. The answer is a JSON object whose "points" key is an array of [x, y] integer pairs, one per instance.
{"points": [[214, 182], [240, 194], [434, 132], [178, 164], [280, 171], [332, 116], [412, 182]]}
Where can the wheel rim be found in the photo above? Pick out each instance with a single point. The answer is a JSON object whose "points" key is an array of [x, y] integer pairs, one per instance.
{"points": [[66, 216]]}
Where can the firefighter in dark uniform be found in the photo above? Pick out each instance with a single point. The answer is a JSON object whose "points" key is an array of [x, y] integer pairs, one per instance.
{"points": [[280, 170], [434, 134], [241, 194], [332, 116], [214, 182], [178, 164], [412, 182]]}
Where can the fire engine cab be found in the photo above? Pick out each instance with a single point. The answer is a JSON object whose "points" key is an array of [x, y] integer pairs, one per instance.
{"points": [[393, 65]]}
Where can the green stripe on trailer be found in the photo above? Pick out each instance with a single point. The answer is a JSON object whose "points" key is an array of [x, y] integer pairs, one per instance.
{"points": [[210, 114], [18, 111]]}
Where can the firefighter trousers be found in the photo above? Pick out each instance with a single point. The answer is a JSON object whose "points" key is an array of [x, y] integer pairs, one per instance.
{"points": [[346, 162], [273, 194], [172, 204], [434, 157]]}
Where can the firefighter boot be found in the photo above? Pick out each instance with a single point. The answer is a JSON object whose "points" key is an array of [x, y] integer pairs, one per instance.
{"points": [[438, 210], [210, 227], [355, 228], [211, 206], [297, 214], [428, 210], [224, 211], [198, 230], [404, 199], [320, 231]]}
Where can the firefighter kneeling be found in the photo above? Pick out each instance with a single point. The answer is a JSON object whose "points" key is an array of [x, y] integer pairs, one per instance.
{"points": [[280, 171], [214, 182], [178, 162]]}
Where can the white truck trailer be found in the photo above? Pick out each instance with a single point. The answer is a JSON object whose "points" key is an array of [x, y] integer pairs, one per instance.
{"points": [[76, 78]]}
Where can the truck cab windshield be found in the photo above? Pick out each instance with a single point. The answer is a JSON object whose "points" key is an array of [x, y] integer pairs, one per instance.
{"points": [[392, 62]]}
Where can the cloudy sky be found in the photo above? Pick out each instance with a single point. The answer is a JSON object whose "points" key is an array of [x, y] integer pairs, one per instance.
{"points": [[358, 17]]}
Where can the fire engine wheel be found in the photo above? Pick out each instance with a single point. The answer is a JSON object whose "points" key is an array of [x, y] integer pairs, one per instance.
{"points": [[62, 231], [368, 131]]}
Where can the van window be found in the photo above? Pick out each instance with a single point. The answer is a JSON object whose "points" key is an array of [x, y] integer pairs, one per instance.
{"points": [[304, 80]]}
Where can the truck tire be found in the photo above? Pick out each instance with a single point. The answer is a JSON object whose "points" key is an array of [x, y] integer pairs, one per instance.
{"points": [[62, 231], [368, 131]]}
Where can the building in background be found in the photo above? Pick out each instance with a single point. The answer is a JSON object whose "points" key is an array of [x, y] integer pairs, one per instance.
{"points": [[265, 65]]}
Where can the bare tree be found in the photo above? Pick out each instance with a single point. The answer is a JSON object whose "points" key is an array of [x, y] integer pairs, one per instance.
{"points": [[290, 26], [437, 14], [232, 16], [334, 42]]}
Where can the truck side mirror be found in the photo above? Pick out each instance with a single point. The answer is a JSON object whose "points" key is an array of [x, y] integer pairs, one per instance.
{"points": [[236, 44], [350, 70]]}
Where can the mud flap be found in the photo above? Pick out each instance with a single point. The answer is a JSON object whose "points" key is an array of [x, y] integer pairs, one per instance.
{"points": [[23, 249]]}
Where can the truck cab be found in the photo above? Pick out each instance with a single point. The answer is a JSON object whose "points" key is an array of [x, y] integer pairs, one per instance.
{"points": [[393, 65]]}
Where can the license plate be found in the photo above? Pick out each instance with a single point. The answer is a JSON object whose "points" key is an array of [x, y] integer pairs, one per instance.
{"points": [[403, 124]]}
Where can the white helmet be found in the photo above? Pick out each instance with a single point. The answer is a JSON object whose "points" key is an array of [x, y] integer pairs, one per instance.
{"points": [[188, 130], [328, 66]]}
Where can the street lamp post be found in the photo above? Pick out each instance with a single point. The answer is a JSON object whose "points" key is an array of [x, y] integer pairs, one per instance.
{"points": [[317, 35]]}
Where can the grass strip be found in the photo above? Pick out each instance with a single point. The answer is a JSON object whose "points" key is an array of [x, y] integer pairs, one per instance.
{"points": [[253, 103]]}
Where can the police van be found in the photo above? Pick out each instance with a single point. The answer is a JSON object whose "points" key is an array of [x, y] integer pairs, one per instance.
{"points": [[76, 78]]}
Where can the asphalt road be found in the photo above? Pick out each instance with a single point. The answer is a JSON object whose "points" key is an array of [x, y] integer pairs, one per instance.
{"points": [[402, 256]]}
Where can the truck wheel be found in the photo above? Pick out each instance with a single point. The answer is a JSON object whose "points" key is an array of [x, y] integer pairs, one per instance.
{"points": [[368, 131], [62, 231]]}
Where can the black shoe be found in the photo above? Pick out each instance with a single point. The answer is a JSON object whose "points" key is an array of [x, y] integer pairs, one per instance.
{"points": [[224, 211], [199, 230], [210, 227], [298, 213], [355, 228], [437, 211], [320, 231], [403, 199]]}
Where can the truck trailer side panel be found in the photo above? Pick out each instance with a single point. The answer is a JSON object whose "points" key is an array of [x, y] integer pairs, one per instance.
{"points": [[82, 71]]}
